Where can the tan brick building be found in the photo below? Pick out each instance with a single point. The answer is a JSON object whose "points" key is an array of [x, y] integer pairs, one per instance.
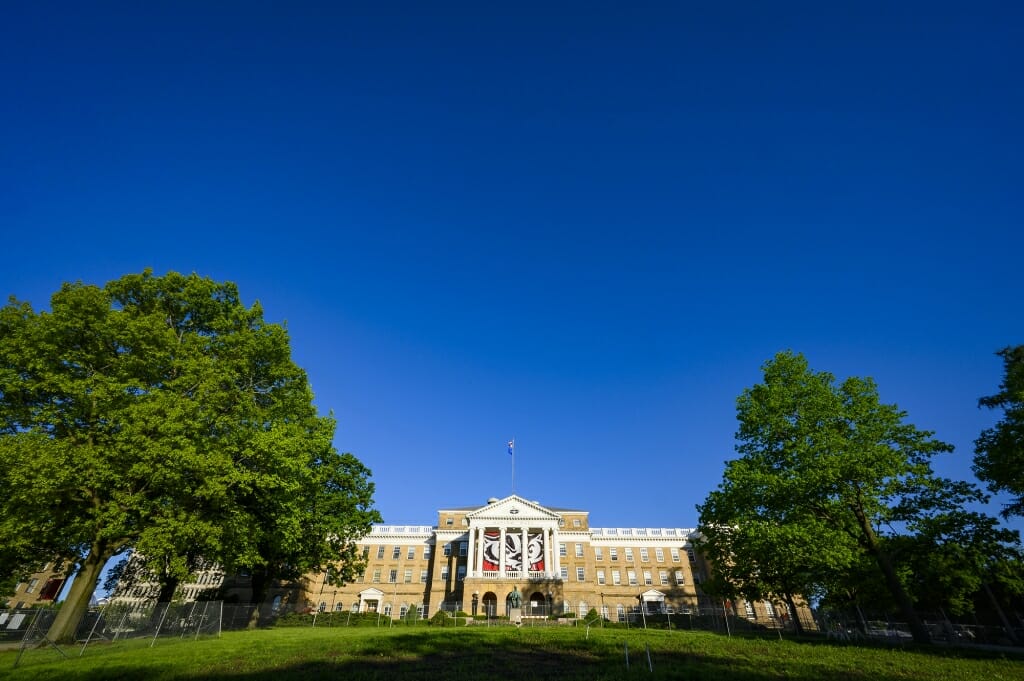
{"points": [[475, 556], [42, 587]]}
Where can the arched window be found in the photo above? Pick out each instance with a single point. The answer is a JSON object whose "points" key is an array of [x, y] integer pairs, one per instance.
{"points": [[355, 606], [387, 610], [339, 607], [323, 606], [402, 611]]}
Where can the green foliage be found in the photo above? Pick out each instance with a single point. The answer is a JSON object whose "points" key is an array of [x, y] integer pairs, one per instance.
{"points": [[160, 413], [999, 451], [827, 475], [439, 618]]}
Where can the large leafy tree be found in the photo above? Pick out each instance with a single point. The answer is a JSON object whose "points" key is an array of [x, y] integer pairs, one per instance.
{"points": [[838, 468], [161, 413], [999, 451]]}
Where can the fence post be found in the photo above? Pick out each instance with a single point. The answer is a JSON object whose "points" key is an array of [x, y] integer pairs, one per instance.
{"points": [[161, 624]]}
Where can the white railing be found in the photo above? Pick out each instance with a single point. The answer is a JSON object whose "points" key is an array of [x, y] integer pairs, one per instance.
{"points": [[513, 574]]}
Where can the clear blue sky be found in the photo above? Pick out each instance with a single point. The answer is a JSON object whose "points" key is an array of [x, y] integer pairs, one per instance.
{"points": [[585, 226]]}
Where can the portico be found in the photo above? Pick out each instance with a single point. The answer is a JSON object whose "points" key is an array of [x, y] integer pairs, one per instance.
{"points": [[513, 539]]}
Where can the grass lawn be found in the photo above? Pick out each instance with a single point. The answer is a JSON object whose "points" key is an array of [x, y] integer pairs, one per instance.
{"points": [[563, 653]]}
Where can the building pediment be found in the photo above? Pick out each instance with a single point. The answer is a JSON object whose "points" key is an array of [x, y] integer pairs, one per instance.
{"points": [[370, 594], [513, 508]]}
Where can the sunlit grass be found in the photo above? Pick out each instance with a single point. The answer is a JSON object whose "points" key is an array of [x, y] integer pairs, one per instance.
{"points": [[564, 653]]}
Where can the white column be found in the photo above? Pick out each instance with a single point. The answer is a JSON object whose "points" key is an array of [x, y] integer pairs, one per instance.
{"points": [[469, 552], [525, 554], [549, 555], [555, 551], [501, 550], [480, 551]]}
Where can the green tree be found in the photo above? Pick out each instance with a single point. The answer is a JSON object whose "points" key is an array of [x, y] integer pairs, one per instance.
{"points": [[999, 451], [837, 468], [160, 413]]}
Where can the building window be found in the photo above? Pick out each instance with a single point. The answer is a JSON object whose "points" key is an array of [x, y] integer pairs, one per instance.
{"points": [[339, 607], [444, 573], [675, 555], [402, 611], [659, 555], [426, 551], [613, 554], [644, 556], [647, 578], [461, 573], [322, 607], [463, 547], [360, 577], [396, 552], [411, 553], [632, 577], [366, 552], [561, 522], [355, 606], [769, 609], [579, 550], [575, 522], [448, 549], [679, 577], [561, 551], [408, 576], [449, 521], [423, 576], [421, 610], [604, 612], [598, 553], [32, 586], [376, 575], [600, 576], [620, 612], [663, 576], [691, 555], [392, 576], [616, 578], [749, 609], [380, 552], [565, 573], [580, 575], [387, 610]]}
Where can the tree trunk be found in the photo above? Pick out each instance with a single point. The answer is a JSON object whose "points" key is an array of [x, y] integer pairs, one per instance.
{"points": [[260, 581], [167, 588], [795, 614], [892, 581], [65, 624]]}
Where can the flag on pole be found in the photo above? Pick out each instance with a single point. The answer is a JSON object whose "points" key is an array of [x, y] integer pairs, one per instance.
{"points": [[511, 446]]}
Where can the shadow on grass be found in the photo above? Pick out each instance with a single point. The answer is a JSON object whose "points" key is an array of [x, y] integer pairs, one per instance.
{"points": [[527, 656]]}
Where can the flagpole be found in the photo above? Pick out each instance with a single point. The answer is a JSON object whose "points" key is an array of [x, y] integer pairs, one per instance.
{"points": [[512, 453]]}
